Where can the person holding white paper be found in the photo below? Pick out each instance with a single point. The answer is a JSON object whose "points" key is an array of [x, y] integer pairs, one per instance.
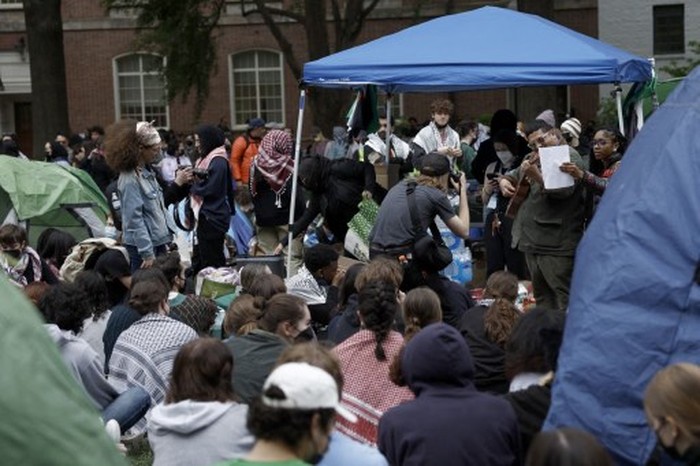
{"points": [[549, 222]]}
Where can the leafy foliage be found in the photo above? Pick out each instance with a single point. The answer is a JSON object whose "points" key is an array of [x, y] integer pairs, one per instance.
{"points": [[677, 70], [182, 31]]}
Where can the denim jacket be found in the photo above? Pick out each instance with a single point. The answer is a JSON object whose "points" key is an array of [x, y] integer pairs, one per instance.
{"points": [[146, 222]]}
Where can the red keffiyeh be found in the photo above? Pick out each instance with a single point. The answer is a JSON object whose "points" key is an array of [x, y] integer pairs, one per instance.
{"points": [[274, 162]]}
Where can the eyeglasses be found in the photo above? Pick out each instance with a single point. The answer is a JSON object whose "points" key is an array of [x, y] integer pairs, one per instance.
{"points": [[537, 143]]}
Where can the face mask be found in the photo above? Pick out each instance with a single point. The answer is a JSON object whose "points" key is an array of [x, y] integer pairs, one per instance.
{"points": [[317, 457], [13, 253], [111, 232], [671, 451], [505, 156]]}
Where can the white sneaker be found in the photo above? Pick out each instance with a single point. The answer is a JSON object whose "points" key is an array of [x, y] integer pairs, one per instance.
{"points": [[113, 430]]}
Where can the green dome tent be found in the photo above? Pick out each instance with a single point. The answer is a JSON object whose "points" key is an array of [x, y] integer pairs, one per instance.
{"points": [[39, 195]]}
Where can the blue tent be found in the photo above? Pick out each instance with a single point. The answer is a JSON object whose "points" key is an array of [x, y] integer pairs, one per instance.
{"points": [[486, 48], [635, 298]]}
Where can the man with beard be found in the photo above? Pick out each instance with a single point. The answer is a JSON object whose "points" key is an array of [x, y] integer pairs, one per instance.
{"points": [[375, 147]]}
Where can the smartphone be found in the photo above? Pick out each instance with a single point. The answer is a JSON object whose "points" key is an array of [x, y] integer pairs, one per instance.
{"points": [[492, 176]]}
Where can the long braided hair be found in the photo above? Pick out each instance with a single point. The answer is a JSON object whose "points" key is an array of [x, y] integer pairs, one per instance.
{"points": [[378, 306]]}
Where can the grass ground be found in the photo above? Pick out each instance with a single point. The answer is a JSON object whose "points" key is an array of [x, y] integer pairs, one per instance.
{"points": [[139, 452]]}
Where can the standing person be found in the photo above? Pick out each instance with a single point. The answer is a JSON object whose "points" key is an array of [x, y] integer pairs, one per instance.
{"points": [[468, 133], [437, 136], [608, 147], [243, 151], [673, 411], [549, 223], [336, 188], [338, 147], [498, 238], [147, 228], [502, 119], [271, 177], [211, 198], [449, 422]]}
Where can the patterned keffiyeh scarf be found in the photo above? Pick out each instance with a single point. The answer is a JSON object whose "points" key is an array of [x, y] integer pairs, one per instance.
{"points": [[274, 162]]}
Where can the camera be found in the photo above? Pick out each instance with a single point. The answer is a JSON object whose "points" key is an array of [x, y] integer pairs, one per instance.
{"points": [[201, 173]]}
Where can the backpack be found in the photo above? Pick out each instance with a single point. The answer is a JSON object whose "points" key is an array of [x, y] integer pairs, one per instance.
{"points": [[84, 255]]}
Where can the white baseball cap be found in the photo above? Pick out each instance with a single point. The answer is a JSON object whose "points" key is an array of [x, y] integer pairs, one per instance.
{"points": [[304, 387]]}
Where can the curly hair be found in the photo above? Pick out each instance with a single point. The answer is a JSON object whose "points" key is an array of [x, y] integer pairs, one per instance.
{"points": [[442, 106], [170, 265], [499, 320], [95, 288], [121, 146], [378, 306], [67, 306], [421, 307]]}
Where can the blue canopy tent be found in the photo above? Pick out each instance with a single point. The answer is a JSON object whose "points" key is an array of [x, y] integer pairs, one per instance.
{"points": [[514, 50], [635, 295], [486, 48]]}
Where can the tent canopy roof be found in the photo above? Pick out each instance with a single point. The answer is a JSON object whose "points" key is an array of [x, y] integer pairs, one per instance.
{"points": [[486, 48]]}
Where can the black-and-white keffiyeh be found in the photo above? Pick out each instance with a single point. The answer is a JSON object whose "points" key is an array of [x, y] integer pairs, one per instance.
{"points": [[430, 138]]}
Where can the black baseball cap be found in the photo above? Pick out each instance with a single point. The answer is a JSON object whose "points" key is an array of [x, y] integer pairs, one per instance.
{"points": [[435, 164]]}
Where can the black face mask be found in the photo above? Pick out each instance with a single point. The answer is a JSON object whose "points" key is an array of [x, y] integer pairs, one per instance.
{"points": [[318, 456], [13, 253], [671, 451], [441, 126]]}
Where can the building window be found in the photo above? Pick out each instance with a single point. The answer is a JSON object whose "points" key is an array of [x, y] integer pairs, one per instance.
{"points": [[396, 105], [10, 4], [669, 29], [140, 89], [257, 86]]}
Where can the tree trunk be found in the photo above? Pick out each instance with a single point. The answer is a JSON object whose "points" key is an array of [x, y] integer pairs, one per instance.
{"points": [[47, 69]]}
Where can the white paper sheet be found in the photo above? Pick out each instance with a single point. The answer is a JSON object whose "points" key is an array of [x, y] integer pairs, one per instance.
{"points": [[550, 160]]}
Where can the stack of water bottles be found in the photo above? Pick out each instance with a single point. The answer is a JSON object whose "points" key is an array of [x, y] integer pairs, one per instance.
{"points": [[460, 270]]}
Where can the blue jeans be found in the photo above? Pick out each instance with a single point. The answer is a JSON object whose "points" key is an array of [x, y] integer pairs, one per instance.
{"points": [[128, 408], [135, 257]]}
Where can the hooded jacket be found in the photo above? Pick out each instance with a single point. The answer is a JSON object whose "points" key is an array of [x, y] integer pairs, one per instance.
{"points": [[190, 433], [449, 422]]}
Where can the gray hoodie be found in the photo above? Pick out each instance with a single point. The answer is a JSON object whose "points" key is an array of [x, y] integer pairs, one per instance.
{"points": [[192, 433], [85, 365]]}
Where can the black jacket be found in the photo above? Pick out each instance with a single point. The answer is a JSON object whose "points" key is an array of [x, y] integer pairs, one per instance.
{"points": [[449, 422]]}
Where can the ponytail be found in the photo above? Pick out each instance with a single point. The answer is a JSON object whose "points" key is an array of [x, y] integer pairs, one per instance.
{"points": [[499, 320]]}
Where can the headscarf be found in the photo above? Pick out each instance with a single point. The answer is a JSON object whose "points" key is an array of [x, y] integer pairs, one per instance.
{"points": [[210, 137], [147, 134], [274, 162]]}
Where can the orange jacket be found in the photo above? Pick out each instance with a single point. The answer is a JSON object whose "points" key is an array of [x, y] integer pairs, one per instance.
{"points": [[243, 152]]}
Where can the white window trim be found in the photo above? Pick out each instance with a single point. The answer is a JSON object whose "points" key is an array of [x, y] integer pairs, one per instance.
{"points": [[11, 6], [115, 87], [232, 98]]}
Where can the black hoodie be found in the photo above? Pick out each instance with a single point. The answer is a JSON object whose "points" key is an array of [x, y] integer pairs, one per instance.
{"points": [[449, 422]]}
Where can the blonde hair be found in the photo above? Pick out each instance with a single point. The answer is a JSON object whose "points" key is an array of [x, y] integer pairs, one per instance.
{"points": [[673, 392]]}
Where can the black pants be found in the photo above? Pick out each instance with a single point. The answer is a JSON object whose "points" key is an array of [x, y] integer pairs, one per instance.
{"points": [[499, 253], [209, 251]]}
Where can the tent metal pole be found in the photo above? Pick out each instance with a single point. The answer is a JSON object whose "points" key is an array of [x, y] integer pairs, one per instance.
{"points": [[389, 130], [295, 181], [618, 100]]}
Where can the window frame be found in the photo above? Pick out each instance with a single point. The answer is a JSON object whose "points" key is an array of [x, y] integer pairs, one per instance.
{"points": [[238, 126], [664, 44], [117, 95]]}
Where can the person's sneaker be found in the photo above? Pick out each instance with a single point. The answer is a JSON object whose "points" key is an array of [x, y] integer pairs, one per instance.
{"points": [[113, 430]]}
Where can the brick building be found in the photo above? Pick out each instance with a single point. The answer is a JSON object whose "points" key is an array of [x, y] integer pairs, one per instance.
{"points": [[107, 78]]}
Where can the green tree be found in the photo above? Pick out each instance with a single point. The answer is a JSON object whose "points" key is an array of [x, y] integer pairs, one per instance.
{"points": [[677, 70], [185, 33], [47, 69]]}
